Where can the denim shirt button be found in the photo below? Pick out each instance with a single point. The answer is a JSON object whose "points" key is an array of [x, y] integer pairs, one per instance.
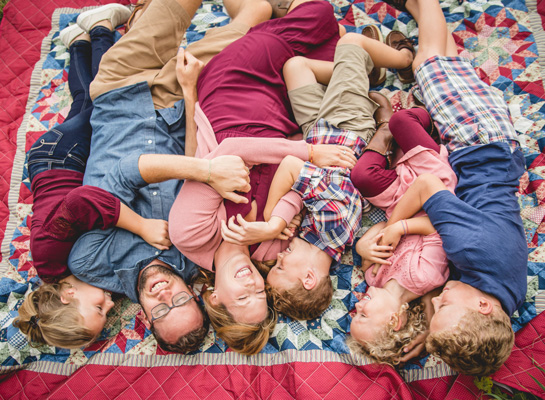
{"points": [[150, 141], [154, 193], [156, 253]]}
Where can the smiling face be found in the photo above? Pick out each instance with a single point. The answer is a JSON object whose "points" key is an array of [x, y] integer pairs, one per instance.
{"points": [[157, 284], [300, 261], [373, 314], [241, 289], [93, 303], [456, 299]]}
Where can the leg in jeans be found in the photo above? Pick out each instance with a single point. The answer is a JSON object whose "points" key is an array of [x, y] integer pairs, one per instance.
{"points": [[84, 61], [67, 145]]}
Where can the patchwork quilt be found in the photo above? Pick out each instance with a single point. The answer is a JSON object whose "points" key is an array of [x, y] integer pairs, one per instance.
{"points": [[303, 359]]}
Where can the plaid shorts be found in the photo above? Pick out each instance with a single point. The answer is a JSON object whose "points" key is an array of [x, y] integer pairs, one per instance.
{"points": [[467, 110]]}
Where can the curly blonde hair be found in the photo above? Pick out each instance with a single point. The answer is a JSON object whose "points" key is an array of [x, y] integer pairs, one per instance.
{"points": [[45, 319], [387, 348], [247, 339], [299, 302], [478, 346]]}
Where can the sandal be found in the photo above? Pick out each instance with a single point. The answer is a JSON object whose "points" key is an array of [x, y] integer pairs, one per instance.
{"points": [[280, 7], [141, 6], [377, 76], [399, 41]]}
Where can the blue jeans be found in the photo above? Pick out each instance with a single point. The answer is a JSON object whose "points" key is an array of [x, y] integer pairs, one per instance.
{"points": [[67, 146]]}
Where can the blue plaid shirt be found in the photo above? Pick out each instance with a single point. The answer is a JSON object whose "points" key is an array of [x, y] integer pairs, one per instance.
{"points": [[126, 125]]}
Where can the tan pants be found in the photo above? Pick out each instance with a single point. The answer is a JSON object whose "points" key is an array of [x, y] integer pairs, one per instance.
{"points": [[148, 52], [345, 102]]}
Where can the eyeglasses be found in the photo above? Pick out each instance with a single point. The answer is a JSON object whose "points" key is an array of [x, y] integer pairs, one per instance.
{"points": [[178, 300]]}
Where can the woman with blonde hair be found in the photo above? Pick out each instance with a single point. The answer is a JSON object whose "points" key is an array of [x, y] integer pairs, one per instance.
{"points": [[244, 110]]}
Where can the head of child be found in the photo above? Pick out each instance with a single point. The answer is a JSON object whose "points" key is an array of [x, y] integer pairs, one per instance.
{"points": [[237, 304], [469, 330], [299, 285], [68, 314], [383, 326]]}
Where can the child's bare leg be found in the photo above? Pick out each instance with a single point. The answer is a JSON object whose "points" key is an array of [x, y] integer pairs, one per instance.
{"points": [[301, 71], [434, 38], [248, 12], [383, 56]]}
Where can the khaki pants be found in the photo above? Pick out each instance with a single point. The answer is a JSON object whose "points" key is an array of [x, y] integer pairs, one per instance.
{"points": [[148, 52], [345, 102]]}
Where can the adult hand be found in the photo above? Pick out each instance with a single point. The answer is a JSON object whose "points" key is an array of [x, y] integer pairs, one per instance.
{"points": [[247, 233], [188, 69], [155, 232], [229, 174], [373, 252], [328, 155]]}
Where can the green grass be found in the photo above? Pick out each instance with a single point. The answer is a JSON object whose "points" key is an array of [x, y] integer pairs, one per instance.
{"points": [[2, 4]]}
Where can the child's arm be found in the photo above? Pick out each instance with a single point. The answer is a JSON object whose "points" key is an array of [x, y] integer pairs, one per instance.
{"points": [[418, 345], [153, 231], [283, 180], [425, 186], [248, 233], [413, 226], [369, 249]]}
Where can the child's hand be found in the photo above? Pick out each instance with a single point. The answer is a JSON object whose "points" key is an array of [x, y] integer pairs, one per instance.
{"points": [[416, 347], [328, 155], [392, 235], [155, 232], [289, 231], [373, 252], [247, 233]]}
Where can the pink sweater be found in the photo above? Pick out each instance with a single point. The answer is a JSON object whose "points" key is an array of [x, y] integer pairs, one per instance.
{"points": [[196, 215], [419, 262]]}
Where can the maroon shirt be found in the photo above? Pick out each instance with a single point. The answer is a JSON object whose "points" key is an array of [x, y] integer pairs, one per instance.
{"points": [[242, 89], [63, 211]]}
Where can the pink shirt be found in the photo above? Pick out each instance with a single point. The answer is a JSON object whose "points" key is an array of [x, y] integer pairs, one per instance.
{"points": [[419, 263], [196, 215]]}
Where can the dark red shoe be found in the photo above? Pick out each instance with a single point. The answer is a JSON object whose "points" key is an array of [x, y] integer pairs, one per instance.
{"points": [[377, 75], [398, 41]]}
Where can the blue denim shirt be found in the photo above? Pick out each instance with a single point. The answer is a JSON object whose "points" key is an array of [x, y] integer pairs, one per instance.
{"points": [[125, 126]]}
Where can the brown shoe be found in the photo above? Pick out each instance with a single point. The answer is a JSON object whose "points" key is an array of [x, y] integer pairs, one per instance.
{"points": [[383, 141], [377, 76], [398, 41], [280, 7]]}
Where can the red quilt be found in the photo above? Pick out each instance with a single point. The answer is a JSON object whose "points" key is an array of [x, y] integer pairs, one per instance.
{"points": [[22, 30]]}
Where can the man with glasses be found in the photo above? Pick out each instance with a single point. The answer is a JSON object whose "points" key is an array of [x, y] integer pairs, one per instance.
{"points": [[138, 138]]}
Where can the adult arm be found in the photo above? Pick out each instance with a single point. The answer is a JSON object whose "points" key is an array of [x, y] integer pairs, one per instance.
{"points": [[188, 69], [226, 174], [248, 233]]}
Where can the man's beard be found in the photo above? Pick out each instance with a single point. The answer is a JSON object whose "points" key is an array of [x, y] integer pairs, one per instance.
{"points": [[151, 270]]}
